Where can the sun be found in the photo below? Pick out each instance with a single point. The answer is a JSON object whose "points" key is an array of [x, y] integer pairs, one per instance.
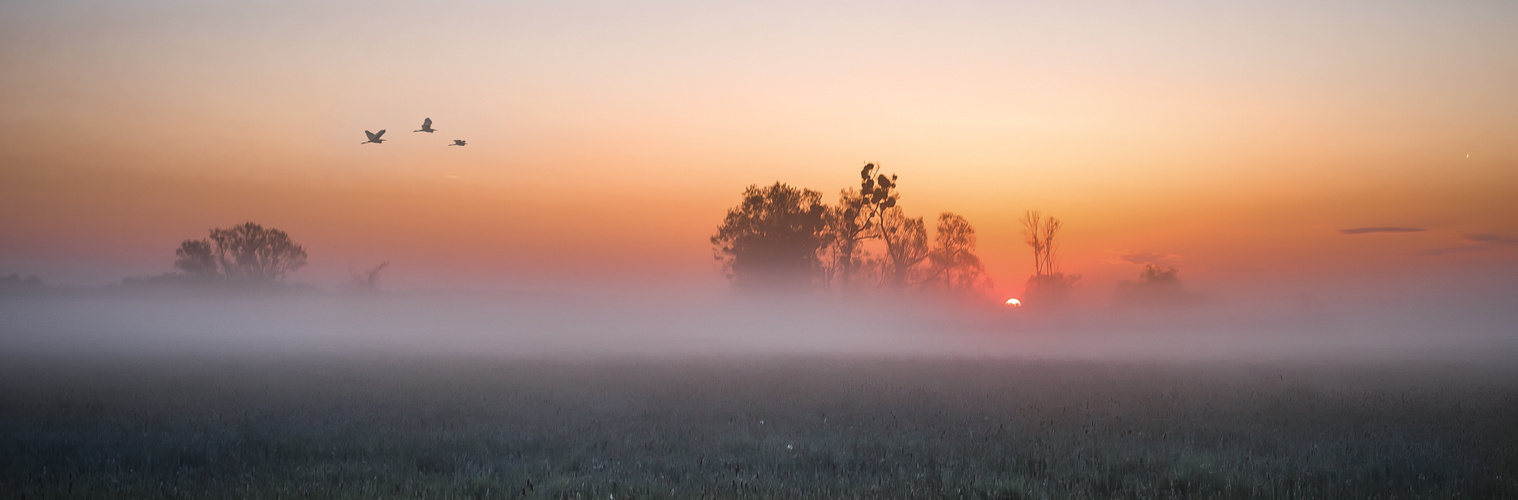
{"points": [[1014, 302]]}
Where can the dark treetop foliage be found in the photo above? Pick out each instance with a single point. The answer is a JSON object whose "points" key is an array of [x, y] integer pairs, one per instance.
{"points": [[243, 252], [783, 237], [770, 241], [859, 216]]}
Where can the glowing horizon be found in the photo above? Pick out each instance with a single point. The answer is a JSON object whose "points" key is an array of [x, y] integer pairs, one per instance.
{"points": [[606, 140]]}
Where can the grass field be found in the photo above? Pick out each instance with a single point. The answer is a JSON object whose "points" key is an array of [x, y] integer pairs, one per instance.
{"points": [[798, 427]]}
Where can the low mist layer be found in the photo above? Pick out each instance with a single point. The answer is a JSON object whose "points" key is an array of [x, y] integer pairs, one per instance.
{"points": [[1458, 330]]}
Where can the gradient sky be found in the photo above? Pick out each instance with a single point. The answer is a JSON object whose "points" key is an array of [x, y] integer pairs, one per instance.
{"points": [[1234, 140]]}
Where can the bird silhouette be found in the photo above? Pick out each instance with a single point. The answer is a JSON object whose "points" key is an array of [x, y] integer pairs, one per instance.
{"points": [[458, 142], [426, 127], [374, 137]]}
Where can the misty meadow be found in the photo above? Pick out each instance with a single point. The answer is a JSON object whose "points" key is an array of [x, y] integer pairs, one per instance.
{"points": [[751, 428], [677, 249]]}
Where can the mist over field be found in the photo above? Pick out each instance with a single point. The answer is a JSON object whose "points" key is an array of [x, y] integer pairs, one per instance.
{"points": [[753, 249], [299, 392], [1451, 328]]}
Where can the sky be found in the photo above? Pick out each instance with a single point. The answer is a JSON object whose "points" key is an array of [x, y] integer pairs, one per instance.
{"points": [[1235, 141]]}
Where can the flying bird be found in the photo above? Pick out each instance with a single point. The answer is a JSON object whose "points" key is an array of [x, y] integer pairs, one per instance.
{"points": [[426, 127], [458, 142], [374, 137]]}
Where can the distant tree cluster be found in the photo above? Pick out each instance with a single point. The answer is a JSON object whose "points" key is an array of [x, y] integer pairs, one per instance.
{"points": [[245, 252], [1157, 285], [15, 280], [783, 237]]}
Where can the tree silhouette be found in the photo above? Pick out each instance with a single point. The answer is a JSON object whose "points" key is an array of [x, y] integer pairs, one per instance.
{"points": [[954, 266], [783, 237], [906, 241], [1040, 232], [1157, 285], [243, 252], [1048, 284], [771, 240], [1159, 276], [857, 217], [368, 280], [195, 258]]}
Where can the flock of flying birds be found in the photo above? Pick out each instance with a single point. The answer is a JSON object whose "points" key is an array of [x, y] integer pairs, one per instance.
{"points": [[376, 137]]}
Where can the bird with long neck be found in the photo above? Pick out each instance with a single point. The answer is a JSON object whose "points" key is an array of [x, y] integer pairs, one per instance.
{"points": [[458, 142], [426, 127], [374, 137]]}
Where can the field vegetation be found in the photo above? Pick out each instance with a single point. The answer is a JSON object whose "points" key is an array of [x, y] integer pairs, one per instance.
{"points": [[799, 427]]}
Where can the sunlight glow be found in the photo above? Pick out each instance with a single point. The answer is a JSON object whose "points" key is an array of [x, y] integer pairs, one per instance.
{"points": [[1014, 302]]}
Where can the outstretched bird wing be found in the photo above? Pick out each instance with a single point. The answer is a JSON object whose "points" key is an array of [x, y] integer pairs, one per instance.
{"points": [[372, 135], [426, 124], [379, 134]]}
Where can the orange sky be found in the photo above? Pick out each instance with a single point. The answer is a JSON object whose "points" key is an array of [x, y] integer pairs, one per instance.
{"points": [[607, 138]]}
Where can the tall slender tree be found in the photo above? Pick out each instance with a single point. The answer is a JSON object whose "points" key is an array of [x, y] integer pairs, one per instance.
{"points": [[1047, 284], [858, 217]]}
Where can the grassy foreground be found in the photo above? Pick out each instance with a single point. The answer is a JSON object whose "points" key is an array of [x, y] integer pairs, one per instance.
{"points": [[738, 428]]}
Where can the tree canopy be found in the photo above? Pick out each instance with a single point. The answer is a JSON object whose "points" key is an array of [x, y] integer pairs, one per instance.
{"points": [[246, 252], [783, 237], [771, 239]]}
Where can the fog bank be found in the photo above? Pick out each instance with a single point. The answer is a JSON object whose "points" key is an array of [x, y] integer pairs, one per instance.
{"points": [[1459, 330]]}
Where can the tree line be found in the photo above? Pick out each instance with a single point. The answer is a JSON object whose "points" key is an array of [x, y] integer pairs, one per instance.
{"points": [[784, 238], [251, 253], [778, 238]]}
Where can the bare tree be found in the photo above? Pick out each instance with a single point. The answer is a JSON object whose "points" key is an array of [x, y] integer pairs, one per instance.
{"points": [[1047, 284], [243, 252], [1041, 232], [195, 258], [906, 241], [954, 267], [248, 251], [368, 280]]}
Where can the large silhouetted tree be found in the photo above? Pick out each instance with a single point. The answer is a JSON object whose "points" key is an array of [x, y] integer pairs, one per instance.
{"points": [[771, 240], [243, 252]]}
